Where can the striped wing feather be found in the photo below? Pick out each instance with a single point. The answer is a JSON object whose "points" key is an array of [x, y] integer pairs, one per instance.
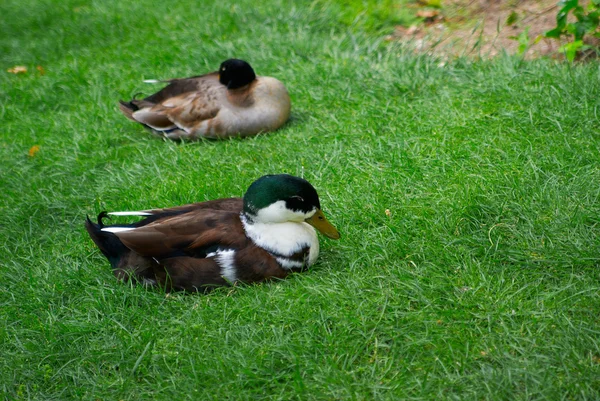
{"points": [[178, 86], [183, 103]]}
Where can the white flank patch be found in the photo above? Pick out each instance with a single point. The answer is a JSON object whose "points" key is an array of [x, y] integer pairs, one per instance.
{"points": [[117, 229], [283, 238], [289, 264], [225, 259], [130, 214], [151, 81]]}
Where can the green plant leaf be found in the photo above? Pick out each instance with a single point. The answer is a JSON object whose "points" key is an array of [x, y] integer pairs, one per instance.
{"points": [[523, 40], [571, 49], [512, 18], [434, 3], [554, 33], [588, 20], [561, 17]]}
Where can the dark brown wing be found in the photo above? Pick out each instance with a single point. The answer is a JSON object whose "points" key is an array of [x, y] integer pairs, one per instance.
{"points": [[193, 233], [227, 204], [178, 86], [180, 245]]}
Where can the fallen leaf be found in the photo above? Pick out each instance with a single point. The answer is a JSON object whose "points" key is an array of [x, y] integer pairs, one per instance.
{"points": [[412, 30], [388, 213], [17, 69], [33, 150], [483, 353], [41, 70], [400, 31], [427, 14]]}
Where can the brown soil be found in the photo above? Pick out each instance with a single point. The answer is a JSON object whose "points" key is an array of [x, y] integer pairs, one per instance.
{"points": [[482, 28]]}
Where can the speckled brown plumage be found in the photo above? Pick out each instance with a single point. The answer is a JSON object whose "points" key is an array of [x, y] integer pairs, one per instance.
{"points": [[203, 106]]}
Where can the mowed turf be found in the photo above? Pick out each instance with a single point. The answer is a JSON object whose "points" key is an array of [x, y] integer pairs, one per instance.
{"points": [[466, 193]]}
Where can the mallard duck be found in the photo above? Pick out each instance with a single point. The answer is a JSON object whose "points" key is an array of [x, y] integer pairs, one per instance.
{"points": [[267, 233], [230, 102]]}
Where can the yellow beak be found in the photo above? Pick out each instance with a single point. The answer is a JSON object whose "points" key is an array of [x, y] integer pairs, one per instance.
{"points": [[319, 222]]}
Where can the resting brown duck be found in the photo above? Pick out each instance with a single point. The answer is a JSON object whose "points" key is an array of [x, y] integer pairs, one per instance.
{"points": [[232, 101], [266, 234]]}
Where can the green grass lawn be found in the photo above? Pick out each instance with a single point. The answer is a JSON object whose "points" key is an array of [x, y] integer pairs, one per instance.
{"points": [[481, 282]]}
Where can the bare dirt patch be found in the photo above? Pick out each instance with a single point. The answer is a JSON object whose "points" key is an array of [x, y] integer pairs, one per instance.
{"points": [[484, 28]]}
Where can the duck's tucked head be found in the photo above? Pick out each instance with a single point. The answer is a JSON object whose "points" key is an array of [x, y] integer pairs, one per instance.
{"points": [[284, 198], [234, 73]]}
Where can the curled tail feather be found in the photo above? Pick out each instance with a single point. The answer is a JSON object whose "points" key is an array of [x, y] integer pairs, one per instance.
{"points": [[126, 264], [108, 243]]}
